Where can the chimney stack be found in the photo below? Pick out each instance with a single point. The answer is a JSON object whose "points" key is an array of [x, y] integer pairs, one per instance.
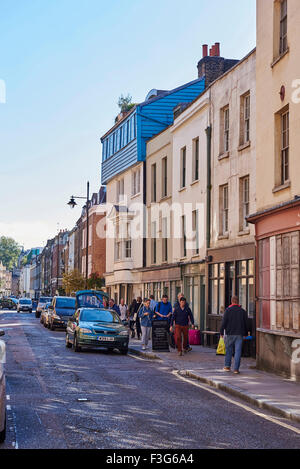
{"points": [[213, 66]]}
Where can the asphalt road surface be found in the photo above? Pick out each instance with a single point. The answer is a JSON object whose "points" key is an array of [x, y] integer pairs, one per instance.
{"points": [[126, 402]]}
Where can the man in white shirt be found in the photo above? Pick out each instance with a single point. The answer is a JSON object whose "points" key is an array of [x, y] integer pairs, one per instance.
{"points": [[123, 310]]}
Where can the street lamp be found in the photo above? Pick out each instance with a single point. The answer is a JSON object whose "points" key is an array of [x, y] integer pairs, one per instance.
{"points": [[72, 203]]}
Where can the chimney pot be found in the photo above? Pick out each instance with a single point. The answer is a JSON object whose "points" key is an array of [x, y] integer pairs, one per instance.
{"points": [[210, 52], [213, 50], [217, 49], [205, 50]]}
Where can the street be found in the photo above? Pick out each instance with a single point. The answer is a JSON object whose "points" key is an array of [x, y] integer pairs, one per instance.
{"points": [[126, 402]]}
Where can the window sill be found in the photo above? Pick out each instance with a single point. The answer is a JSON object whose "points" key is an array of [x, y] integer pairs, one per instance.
{"points": [[286, 185], [244, 232], [275, 61], [165, 197], [135, 195], [225, 236], [195, 182], [223, 156], [278, 332], [182, 189], [244, 146]]}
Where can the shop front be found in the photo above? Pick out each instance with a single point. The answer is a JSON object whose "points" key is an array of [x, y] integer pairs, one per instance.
{"points": [[278, 288], [193, 276], [231, 271]]}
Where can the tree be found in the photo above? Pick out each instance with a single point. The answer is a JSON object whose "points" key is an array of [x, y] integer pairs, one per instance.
{"points": [[95, 282], [125, 103], [9, 252], [72, 282]]}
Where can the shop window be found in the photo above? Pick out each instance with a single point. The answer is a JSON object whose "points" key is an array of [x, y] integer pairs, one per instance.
{"points": [[217, 288], [245, 285]]}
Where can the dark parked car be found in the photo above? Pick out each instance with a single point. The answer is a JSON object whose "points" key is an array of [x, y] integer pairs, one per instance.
{"points": [[60, 311], [97, 327], [8, 303]]}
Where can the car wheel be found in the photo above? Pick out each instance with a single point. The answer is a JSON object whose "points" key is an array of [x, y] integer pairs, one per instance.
{"points": [[3, 433], [68, 343], [124, 351], [36, 315], [75, 345]]}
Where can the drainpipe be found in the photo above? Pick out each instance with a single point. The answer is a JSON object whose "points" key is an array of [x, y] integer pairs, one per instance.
{"points": [[208, 189], [144, 215]]}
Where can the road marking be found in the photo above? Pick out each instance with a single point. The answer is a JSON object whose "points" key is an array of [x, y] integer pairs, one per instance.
{"points": [[243, 406], [8, 397], [8, 407]]}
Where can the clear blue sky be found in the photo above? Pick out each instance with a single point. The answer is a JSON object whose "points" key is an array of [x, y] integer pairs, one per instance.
{"points": [[65, 63]]}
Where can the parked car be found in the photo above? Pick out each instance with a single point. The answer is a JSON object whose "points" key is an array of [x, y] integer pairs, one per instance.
{"points": [[2, 397], [42, 301], [90, 298], [8, 303], [24, 304], [97, 327], [44, 314], [60, 310]]}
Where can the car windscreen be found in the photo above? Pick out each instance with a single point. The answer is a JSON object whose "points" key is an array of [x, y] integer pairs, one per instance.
{"points": [[99, 315], [25, 302], [45, 299], [89, 300], [65, 303]]}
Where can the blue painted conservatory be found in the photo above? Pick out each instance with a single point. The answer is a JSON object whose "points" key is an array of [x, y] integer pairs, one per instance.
{"points": [[125, 143]]}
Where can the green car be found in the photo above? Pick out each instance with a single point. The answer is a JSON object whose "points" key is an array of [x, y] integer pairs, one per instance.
{"points": [[97, 327]]}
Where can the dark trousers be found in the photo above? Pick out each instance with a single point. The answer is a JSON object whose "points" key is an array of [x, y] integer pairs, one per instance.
{"points": [[138, 327]]}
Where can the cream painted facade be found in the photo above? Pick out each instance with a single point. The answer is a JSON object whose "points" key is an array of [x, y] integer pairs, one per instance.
{"points": [[276, 218], [124, 238], [229, 167], [233, 196], [275, 70], [189, 183], [161, 275]]}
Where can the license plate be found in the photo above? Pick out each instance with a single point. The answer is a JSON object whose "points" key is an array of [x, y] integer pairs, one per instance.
{"points": [[106, 339]]}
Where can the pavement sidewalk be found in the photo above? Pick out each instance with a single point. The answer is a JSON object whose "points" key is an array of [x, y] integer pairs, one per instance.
{"points": [[262, 389]]}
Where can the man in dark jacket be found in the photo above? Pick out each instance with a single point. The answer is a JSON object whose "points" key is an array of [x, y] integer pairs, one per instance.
{"points": [[188, 348], [235, 326], [181, 317], [114, 306]]}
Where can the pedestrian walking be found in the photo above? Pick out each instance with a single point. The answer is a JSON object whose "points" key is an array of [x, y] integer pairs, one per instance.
{"points": [[153, 303], [182, 315], [163, 309], [234, 325], [132, 311], [146, 315], [137, 318], [123, 310], [114, 306], [177, 303]]}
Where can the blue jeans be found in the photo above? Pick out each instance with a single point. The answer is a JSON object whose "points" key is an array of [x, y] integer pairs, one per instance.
{"points": [[237, 342]]}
